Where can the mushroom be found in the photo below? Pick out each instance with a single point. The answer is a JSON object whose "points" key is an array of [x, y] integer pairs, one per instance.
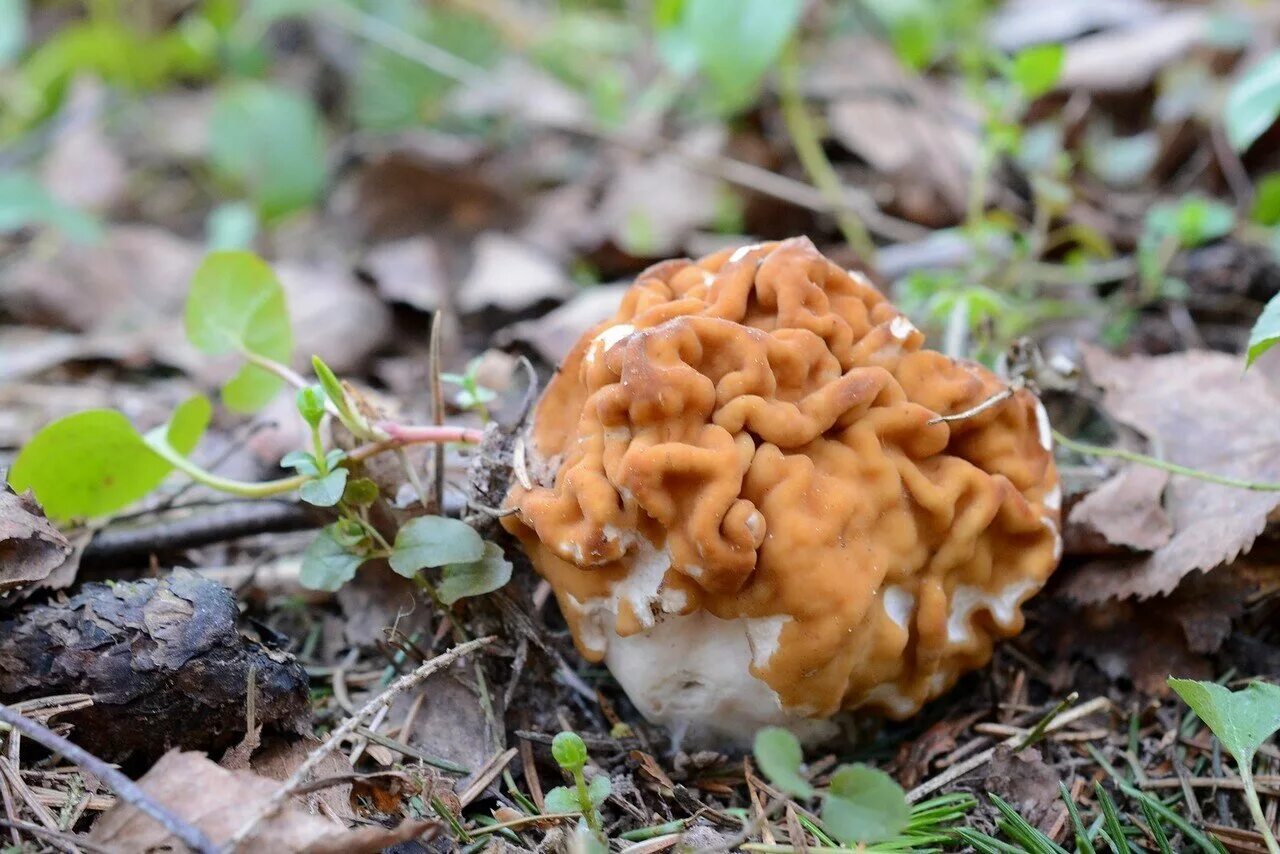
{"points": [[745, 501]]}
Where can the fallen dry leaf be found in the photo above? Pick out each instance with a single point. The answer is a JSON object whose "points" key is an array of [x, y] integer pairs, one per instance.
{"points": [[1127, 59], [1198, 409], [1022, 23], [510, 275], [553, 334], [1127, 509], [408, 271], [652, 204], [83, 168], [30, 546], [903, 125], [1024, 780], [279, 758], [220, 802]]}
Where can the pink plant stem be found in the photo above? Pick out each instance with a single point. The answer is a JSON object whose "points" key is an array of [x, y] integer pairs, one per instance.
{"points": [[404, 434]]}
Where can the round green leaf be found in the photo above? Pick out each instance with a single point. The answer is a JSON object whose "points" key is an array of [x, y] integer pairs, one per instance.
{"points": [[361, 492], [1253, 103], [93, 463], [778, 754], [561, 800], [462, 580], [1242, 720], [569, 750], [599, 789], [235, 304], [864, 805], [310, 402], [325, 491], [267, 141], [326, 564], [430, 541]]}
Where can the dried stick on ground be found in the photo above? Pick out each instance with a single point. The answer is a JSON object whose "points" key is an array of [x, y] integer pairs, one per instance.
{"points": [[349, 726], [126, 789]]}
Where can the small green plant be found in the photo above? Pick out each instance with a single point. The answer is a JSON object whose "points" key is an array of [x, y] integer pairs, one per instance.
{"points": [[471, 394], [860, 804], [94, 463], [1242, 720], [570, 753]]}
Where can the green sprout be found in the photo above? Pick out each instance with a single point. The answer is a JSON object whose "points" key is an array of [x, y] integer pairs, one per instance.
{"points": [[570, 753]]}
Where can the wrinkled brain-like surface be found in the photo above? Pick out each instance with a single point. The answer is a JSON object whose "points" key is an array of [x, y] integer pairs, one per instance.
{"points": [[742, 505]]}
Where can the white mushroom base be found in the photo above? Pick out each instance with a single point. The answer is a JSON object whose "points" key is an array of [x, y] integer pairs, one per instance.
{"points": [[693, 675]]}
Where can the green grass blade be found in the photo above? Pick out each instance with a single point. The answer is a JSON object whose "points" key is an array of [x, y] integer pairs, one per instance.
{"points": [[1083, 845]]}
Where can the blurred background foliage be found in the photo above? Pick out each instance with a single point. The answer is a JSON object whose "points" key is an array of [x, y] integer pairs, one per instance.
{"points": [[1049, 181]]}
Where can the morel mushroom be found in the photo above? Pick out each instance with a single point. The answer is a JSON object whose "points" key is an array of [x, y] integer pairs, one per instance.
{"points": [[742, 495]]}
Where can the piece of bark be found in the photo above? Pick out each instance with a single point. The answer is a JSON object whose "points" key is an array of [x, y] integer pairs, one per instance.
{"points": [[163, 660]]}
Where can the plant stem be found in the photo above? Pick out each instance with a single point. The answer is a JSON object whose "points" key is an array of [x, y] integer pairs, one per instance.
{"points": [[1154, 462], [804, 137], [284, 372], [1255, 808], [584, 801], [245, 489], [406, 434]]}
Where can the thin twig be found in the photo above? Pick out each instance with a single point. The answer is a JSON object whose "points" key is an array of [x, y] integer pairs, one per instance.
{"points": [[993, 401], [299, 777], [437, 407], [1038, 731], [191, 836], [67, 841]]}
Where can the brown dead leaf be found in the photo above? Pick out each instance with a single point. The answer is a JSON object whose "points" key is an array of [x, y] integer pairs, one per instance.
{"points": [[220, 802], [1024, 780], [510, 275], [83, 168], [1198, 409], [409, 271], [1126, 509], [1022, 23], [554, 334], [652, 204], [279, 757], [1127, 59], [30, 546], [900, 123]]}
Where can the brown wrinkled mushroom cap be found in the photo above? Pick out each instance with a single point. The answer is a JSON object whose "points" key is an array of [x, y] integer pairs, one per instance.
{"points": [[743, 507]]}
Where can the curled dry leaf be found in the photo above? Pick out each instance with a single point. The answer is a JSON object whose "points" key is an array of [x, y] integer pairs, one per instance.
{"points": [[30, 546], [510, 275], [1128, 59], [1127, 509], [226, 801], [1197, 409]]}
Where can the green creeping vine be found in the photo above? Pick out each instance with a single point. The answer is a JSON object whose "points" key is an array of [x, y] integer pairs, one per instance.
{"points": [[94, 463]]}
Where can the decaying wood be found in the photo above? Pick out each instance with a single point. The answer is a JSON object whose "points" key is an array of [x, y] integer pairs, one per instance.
{"points": [[163, 659]]}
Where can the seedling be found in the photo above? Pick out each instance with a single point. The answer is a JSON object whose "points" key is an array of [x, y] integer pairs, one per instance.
{"points": [[1242, 721], [471, 394], [570, 753], [94, 463], [861, 805]]}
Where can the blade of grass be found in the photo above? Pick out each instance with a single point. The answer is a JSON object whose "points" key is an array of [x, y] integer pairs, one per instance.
{"points": [[1156, 828], [1111, 820], [1021, 830], [1083, 845]]}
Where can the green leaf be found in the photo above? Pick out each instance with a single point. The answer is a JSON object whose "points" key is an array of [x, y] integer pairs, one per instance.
{"points": [[1266, 331], [569, 751], [236, 304], [561, 799], [736, 42], [430, 541], [1194, 221], [476, 578], [778, 754], [326, 491], [266, 141], [1036, 70], [1253, 103], [24, 202], [914, 28], [310, 402], [361, 492], [335, 392], [1266, 201], [1242, 720], [13, 29], [93, 463], [326, 564], [301, 462], [864, 805], [599, 789], [347, 532]]}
